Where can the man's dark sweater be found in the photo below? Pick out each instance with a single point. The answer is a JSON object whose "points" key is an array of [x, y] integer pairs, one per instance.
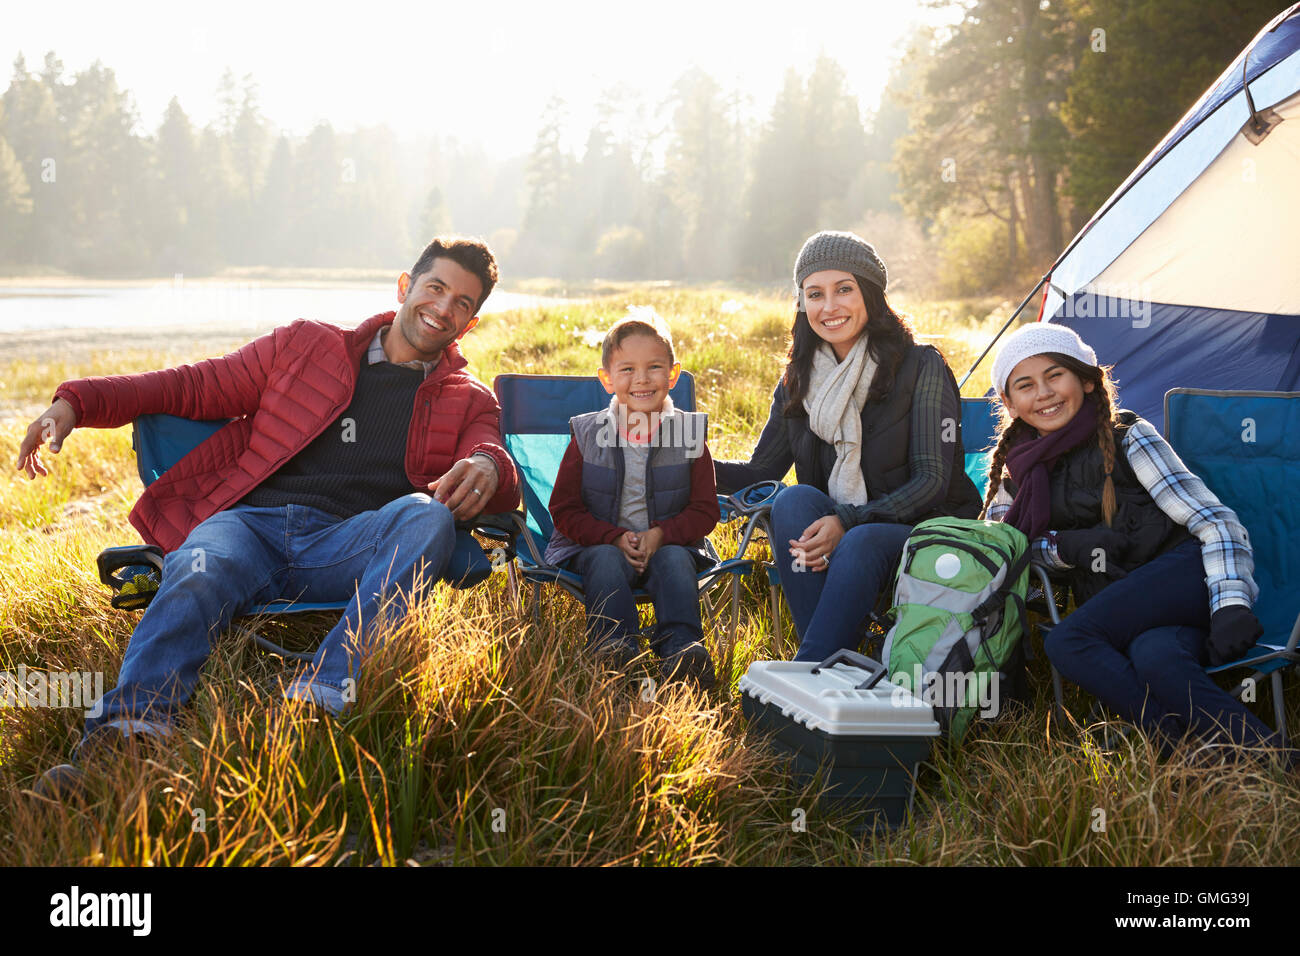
{"points": [[358, 463]]}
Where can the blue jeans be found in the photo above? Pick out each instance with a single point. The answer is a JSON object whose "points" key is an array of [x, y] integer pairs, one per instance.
{"points": [[1139, 648], [246, 556], [670, 578], [829, 606]]}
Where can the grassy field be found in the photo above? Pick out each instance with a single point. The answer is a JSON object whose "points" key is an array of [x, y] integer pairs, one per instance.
{"points": [[480, 738]]}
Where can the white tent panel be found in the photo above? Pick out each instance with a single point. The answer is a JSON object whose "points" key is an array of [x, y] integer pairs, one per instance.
{"points": [[1229, 241], [1162, 185]]}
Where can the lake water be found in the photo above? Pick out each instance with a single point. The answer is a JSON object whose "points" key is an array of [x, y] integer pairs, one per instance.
{"points": [[236, 305]]}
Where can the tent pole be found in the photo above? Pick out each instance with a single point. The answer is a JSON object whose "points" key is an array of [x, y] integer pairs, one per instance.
{"points": [[1006, 325]]}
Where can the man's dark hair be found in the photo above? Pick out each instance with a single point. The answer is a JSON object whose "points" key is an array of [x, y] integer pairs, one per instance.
{"points": [[470, 254]]}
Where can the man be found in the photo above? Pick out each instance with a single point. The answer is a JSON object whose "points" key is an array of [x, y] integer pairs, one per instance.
{"points": [[350, 458]]}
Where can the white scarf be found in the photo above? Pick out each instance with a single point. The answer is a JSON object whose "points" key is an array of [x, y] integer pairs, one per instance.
{"points": [[836, 393]]}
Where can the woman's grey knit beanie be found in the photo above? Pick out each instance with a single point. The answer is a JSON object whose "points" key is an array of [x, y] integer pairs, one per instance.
{"points": [[844, 251]]}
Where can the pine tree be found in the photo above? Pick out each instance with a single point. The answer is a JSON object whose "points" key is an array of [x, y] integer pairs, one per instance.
{"points": [[1147, 65]]}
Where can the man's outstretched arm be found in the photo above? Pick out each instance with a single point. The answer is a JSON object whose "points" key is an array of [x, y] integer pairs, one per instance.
{"points": [[52, 426], [225, 387]]}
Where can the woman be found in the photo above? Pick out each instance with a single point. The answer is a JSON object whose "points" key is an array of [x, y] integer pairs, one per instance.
{"points": [[1160, 569], [872, 423]]}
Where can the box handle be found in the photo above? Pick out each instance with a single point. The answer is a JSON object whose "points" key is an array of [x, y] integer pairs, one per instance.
{"points": [[875, 670]]}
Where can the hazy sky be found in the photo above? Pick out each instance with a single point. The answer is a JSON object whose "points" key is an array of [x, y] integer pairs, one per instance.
{"points": [[479, 71]]}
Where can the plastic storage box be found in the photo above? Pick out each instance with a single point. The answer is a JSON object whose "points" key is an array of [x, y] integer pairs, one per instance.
{"points": [[867, 735]]}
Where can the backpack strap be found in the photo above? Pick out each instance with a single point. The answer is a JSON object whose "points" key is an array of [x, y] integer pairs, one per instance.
{"points": [[1000, 597]]}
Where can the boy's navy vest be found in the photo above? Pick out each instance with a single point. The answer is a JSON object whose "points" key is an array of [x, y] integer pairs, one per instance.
{"points": [[1077, 481], [668, 471]]}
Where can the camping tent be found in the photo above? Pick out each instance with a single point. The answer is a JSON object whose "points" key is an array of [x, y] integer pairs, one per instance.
{"points": [[1189, 275]]}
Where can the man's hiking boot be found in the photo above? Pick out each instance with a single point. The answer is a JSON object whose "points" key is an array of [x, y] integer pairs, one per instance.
{"points": [[106, 745], [617, 652], [62, 782], [687, 660]]}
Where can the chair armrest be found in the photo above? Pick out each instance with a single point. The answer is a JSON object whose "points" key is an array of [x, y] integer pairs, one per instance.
{"points": [[144, 565], [1049, 592], [750, 500], [519, 522], [111, 560], [500, 527], [753, 503]]}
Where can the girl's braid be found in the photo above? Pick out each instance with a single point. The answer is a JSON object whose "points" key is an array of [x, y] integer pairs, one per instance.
{"points": [[1104, 396], [1009, 430]]}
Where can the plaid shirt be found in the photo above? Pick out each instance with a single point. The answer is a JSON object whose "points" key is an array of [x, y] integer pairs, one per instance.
{"points": [[935, 409], [929, 456], [376, 354], [1225, 545]]}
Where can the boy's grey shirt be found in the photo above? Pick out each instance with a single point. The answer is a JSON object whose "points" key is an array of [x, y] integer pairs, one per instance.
{"points": [[678, 441]]}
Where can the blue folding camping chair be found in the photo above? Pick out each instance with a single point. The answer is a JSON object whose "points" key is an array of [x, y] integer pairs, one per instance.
{"points": [[753, 505], [134, 571], [535, 413], [1245, 446], [979, 426]]}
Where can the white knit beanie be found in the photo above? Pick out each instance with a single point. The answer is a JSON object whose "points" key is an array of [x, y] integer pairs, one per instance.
{"points": [[1035, 339]]}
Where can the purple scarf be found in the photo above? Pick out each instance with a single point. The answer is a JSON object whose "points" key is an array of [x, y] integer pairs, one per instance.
{"points": [[1030, 462]]}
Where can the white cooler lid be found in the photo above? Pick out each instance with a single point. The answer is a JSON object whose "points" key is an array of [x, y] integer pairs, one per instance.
{"points": [[829, 700]]}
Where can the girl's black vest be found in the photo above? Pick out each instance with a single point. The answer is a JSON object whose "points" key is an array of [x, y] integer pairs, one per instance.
{"points": [[1078, 479]]}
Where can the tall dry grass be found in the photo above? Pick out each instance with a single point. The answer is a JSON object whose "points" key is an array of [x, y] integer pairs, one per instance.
{"points": [[481, 738]]}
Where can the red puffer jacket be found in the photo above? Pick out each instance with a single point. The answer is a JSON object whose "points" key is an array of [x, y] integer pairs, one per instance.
{"points": [[283, 390]]}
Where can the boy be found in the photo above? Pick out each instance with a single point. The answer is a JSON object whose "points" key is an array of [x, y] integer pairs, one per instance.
{"points": [[633, 501]]}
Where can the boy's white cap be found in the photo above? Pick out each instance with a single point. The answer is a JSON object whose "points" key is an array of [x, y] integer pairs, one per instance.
{"points": [[1035, 339]]}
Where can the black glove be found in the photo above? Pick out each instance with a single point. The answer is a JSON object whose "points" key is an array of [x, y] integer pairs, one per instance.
{"points": [[1233, 631], [1077, 547]]}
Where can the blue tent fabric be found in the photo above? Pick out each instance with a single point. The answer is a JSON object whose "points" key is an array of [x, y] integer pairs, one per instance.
{"points": [[1178, 345], [1275, 43], [1219, 339], [1245, 446]]}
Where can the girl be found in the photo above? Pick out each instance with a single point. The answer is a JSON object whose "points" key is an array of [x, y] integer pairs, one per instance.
{"points": [[1159, 567], [872, 423]]}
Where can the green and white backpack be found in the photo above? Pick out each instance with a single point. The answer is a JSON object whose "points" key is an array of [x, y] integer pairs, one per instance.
{"points": [[958, 616]]}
